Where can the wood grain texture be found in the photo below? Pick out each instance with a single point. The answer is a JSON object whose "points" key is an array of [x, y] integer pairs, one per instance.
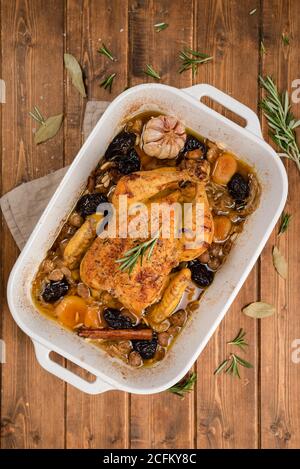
{"points": [[2, 284], [263, 408], [280, 377], [227, 408], [94, 421], [163, 420], [26, 388]]}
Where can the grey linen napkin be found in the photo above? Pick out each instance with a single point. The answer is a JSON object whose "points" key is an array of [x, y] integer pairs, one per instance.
{"points": [[23, 206]]}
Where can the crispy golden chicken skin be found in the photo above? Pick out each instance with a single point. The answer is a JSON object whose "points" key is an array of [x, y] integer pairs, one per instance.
{"points": [[143, 287]]}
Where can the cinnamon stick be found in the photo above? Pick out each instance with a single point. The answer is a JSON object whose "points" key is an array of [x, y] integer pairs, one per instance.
{"points": [[116, 334]]}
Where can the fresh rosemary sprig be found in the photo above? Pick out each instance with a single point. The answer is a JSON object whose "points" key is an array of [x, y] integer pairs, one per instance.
{"points": [[151, 72], [184, 386], [231, 365], [160, 26], [36, 115], [132, 256], [285, 39], [239, 340], [105, 51], [262, 48], [281, 120], [221, 366], [285, 221], [191, 59], [108, 81]]}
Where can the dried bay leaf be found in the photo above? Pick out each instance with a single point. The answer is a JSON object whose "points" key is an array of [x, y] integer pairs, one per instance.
{"points": [[259, 310], [75, 72], [280, 263], [48, 128]]}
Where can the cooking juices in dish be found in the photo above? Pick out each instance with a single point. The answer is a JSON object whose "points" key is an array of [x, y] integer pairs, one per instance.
{"points": [[122, 292]]}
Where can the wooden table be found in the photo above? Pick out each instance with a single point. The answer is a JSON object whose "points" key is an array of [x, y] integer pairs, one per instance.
{"points": [[263, 408]]}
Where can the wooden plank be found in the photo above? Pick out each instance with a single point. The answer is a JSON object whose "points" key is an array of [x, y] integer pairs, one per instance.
{"points": [[2, 289], [227, 408], [88, 25], [33, 77], [160, 421], [280, 377], [95, 421]]}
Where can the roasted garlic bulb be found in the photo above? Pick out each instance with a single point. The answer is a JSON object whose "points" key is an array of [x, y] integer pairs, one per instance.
{"points": [[163, 137]]}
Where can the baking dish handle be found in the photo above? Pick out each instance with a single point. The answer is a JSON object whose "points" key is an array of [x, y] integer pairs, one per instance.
{"points": [[199, 91], [43, 357]]}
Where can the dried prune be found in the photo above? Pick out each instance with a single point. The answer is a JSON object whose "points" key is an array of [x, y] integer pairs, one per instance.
{"points": [[54, 290], [238, 187], [128, 163], [120, 145], [116, 320], [146, 348], [201, 275], [192, 143], [88, 203]]}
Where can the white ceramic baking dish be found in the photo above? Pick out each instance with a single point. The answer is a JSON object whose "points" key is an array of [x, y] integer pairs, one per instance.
{"points": [[245, 142]]}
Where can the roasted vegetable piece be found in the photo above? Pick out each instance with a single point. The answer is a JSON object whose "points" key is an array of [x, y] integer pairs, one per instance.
{"points": [[163, 339], [222, 227], [163, 137], [116, 320], [71, 311], [135, 126], [91, 318], [120, 145], [224, 169], [192, 143], [75, 220], [80, 241], [171, 297], [88, 203], [146, 348], [238, 187], [250, 204], [194, 154], [179, 318], [54, 290], [128, 163], [201, 275], [119, 348], [135, 359]]}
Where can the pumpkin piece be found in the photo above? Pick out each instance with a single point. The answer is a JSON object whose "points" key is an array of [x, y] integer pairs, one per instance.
{"points": [[222, 226], [91, 318], [171, 297], [71, 311], [224, 169]]}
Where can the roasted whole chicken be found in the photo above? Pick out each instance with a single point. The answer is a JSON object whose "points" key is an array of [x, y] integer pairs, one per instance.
{"points": [[143, 286], [127, 276]]}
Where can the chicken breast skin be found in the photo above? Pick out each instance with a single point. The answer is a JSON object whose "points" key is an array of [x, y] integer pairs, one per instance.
{"points": [[143, 286]]}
